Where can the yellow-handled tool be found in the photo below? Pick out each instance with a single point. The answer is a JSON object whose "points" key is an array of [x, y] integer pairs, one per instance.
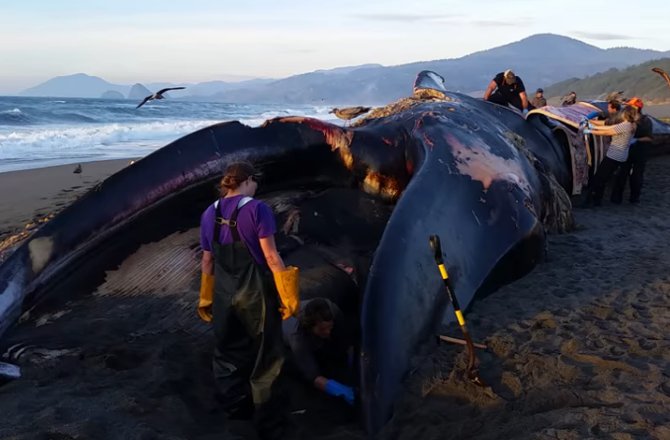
{"points": [[472, 372]]}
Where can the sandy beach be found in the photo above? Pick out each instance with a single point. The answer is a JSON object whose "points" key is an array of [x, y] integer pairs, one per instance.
{"points": [[579, 348], [30, 197]]}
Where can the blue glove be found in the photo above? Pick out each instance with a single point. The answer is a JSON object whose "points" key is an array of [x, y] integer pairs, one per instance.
{"points": [[587, 131], [585, 123], [336, 389]]}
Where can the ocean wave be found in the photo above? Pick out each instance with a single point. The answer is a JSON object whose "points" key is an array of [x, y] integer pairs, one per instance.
{"points": [[15, 117], [275, 114], [38, 132], [71, 117], [55, 142]]}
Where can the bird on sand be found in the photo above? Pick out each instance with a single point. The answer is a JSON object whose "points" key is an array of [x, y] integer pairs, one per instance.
{"points": [[349, 113], [77, 169], [158, 95]]}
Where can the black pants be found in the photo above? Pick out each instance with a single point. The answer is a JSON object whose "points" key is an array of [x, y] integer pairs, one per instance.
{"points": [[605, 171], [498, 98], [637, 160], [248, 355]]}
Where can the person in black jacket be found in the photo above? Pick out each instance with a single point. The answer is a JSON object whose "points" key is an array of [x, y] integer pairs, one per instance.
{"points": [[637, 158], [321, 342], [507, 89]]}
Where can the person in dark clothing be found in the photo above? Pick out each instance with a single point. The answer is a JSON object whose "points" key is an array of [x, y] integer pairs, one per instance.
{"points": [[539, 100], [507, 89], [613, 112], [617, 152], [637, 158], [321, 344], [570, 99], [240, 298]]}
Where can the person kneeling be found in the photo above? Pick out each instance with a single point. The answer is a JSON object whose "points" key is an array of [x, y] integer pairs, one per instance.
{"points": [[322, 347]]}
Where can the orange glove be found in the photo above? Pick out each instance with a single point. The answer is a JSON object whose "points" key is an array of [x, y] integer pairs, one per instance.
{"points": [[289, 291], [206, 297]]}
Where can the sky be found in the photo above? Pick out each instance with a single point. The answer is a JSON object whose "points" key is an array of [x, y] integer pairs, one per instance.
{"points": [[125, 42]]}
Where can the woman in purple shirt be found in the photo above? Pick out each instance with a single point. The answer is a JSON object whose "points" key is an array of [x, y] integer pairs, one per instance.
{"points": [[239, 296]]}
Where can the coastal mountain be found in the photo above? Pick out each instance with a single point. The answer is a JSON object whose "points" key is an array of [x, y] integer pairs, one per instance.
{"points": [[81, 85], [112, 94], [634, 81], [78, 85], [540, 60], [138, 91]]}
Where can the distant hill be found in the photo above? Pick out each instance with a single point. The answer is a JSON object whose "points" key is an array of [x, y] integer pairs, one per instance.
{"points": [[81, 85], [634, 81], [348, 69], [540, 60], [138, 91], [112, 94], [78, 85], [211, 89]]}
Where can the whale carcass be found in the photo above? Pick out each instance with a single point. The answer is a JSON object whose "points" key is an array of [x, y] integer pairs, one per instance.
{"points": [[365, 198]]}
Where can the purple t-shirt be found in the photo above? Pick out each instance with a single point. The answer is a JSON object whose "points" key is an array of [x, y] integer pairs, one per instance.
{"points": [[255, 220]]}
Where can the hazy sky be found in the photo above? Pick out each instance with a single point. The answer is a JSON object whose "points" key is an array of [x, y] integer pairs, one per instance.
{"points": [[149, 40]]}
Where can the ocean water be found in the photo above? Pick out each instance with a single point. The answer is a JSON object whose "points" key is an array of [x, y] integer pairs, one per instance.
{"points": [[41, 132]]}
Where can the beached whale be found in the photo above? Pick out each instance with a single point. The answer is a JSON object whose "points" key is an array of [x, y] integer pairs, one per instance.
{"points": [[367, 197]]}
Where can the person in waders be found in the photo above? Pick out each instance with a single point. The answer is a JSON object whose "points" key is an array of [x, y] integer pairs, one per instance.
{"points": [[246, 291]]}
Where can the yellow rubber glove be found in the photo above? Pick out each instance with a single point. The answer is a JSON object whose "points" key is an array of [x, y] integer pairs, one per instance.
{"points": [[206, 297], [289, 291]]}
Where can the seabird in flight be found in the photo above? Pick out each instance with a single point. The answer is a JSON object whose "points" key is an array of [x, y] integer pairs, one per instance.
{"points": [[158, 95]]}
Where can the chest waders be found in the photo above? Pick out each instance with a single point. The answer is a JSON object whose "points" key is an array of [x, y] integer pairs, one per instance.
{"points": [[248, 355]]}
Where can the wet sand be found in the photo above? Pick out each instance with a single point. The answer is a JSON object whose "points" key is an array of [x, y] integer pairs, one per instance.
{"points": [[30, 197], [579, 348]]}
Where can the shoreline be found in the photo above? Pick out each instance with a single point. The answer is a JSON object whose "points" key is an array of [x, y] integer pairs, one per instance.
{"points": [[33, 195], [64, 162]]}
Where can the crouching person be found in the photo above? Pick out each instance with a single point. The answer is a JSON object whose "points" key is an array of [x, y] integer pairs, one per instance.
{"points": [[321, 345]]}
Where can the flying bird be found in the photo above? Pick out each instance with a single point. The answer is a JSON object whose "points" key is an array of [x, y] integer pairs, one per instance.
{"points": [[349, 112], [158, 95]]}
